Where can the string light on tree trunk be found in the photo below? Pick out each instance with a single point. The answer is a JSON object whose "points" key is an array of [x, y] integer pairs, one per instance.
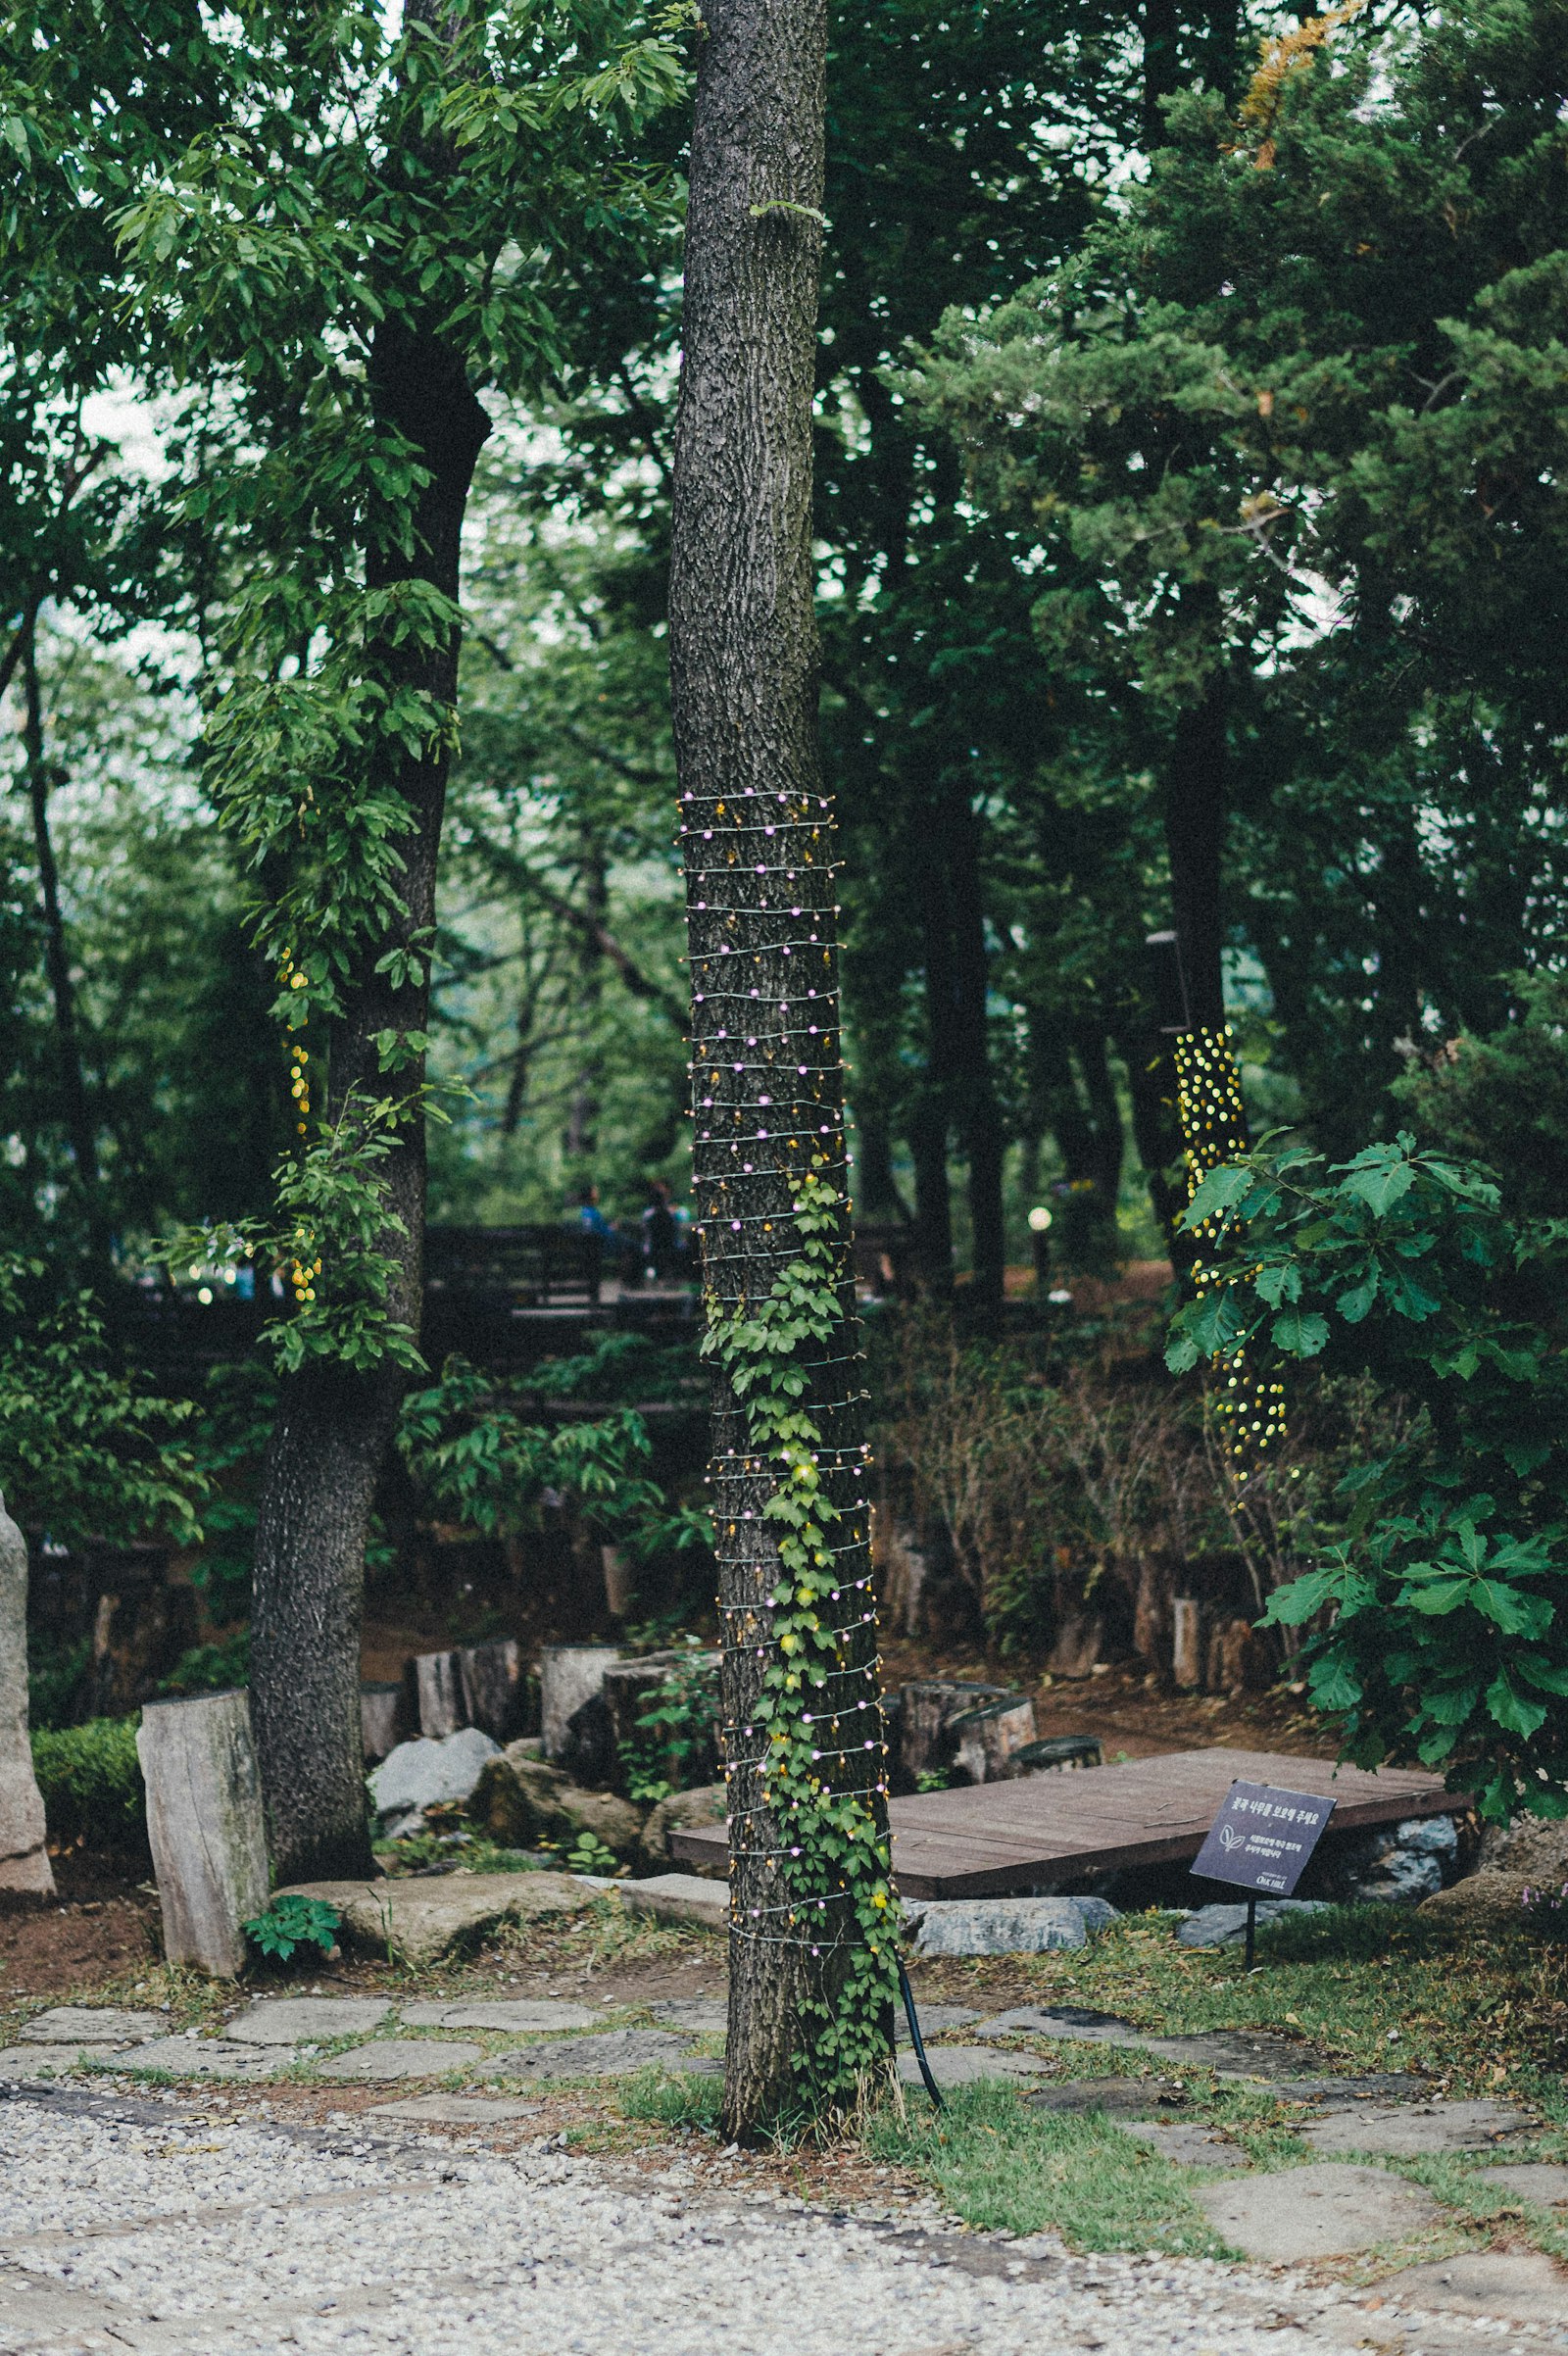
{"points": [[1213, 1122]]}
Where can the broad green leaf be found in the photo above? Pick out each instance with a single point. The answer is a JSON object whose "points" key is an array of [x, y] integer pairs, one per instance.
{"points": [[1510, 1709], [1355, 1303], [1220, 1190], [1379, 1178], [1300, 1333]]}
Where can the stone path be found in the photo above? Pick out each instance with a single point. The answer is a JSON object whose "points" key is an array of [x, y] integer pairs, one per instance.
{"points": [[1332, 2207], [125, 2226]]}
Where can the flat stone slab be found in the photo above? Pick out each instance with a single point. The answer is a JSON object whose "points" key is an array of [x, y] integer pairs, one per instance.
{"points": [[698, 2016], [1519, 2287], [1116, 2097], [53, 2061], [612, 2055], [1540, 2181], [934, 2019], [1415, 2129], [967, 2065], [456, 2110], [1188, 2146], [1072, 2021], [307, 2020], [1325, 2211], [1222, 1926], [1228, 2052], [1006, 1926], [420, 1919], [1378, 2085], [208, 2057], [523, 2015], [677, 1899], [1238, 2053], [91, 2025], [401, 2057]]}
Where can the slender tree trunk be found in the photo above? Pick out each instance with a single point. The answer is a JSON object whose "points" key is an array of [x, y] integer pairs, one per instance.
{"points": [[57, 954], [980, 1113], [582, 1117], [333, 1425], [1161, 66], [1195, 842], [762, 914]]}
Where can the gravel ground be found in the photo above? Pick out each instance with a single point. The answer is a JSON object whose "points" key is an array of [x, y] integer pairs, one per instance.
{"points": [[125, 2226]]}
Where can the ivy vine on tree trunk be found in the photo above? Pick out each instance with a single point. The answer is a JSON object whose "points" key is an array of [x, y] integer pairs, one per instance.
{"points": [[812, 1973]]}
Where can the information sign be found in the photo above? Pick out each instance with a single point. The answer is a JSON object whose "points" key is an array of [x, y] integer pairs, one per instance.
{"points": [[1263, 1839]]}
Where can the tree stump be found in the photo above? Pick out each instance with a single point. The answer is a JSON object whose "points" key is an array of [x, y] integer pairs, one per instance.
{"points": [[630, 1686], [984, 1739], [204, 1826], [494, 1696], [1056, 1754], [24, 1857], [620, 1583], [438, 1682], [930, 1708], [569, 1676], [382, 1716], [1080, 1640], [1186, 1641]]}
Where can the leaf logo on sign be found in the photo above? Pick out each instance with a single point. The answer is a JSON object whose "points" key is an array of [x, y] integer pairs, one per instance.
{"points": [[1229, 1840]]}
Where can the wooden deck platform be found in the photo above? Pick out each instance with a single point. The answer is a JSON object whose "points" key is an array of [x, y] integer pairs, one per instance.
{"points": [[987, 1840]]}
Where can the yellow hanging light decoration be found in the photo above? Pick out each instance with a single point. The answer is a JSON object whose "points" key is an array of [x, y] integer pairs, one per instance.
{"points": [[1213, 1122], [303, 1271]]}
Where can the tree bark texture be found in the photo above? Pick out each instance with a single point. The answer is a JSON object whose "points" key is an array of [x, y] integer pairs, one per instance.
{"points": [[1195, 843], [762, 923], [57, 954], [333, 1424]]}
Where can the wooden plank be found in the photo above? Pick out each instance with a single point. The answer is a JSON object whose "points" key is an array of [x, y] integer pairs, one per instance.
{"points": [[986, 1840]]}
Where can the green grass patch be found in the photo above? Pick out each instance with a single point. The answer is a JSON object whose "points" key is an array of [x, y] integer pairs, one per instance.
{"points": [[1007, 2168], [1372, 1987], [670, 2100]]}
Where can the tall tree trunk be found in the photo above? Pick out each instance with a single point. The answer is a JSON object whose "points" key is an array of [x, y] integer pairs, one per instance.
{"points": [[1195, 843], [1157, 1133], [761, 921], [960, 1094], [980, 1113], [1161, 66], [334, 1424], [582, 1116], [57, 954]]}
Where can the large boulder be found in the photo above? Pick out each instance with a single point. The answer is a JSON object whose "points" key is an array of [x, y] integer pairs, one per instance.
{"points": [[1530, 1854], [418, 1920], [424, 1774], [523, 1802], [705, 1804]]}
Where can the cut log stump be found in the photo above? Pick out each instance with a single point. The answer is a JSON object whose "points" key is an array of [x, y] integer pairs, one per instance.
{"points": [[204, 1826], [930, 1707], [494, 1694], [438, 1681], [984, 1739], [381, 1720], [572, 1680]]}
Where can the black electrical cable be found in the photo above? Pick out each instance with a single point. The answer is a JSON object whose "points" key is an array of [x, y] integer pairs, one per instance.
{"points": [[908, 1992]]}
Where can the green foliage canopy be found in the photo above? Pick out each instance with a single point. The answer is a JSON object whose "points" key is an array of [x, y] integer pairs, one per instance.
{"points": [[1446, 1637]]}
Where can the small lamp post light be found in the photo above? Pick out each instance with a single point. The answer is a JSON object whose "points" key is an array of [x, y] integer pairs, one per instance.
{"points": [[1040, 1237]]}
